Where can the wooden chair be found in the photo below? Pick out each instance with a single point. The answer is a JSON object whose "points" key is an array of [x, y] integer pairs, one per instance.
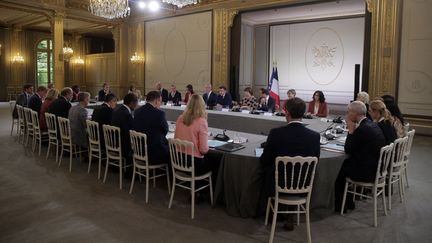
{"points": [[141, 163], [66, 141], [51, 122], [377, 187], [298, 173], [39, 135], [113, 151], [14, 120], [21, 123], [183, 169], [396, 168], [95, 148], [410, 136], [29, 125]]}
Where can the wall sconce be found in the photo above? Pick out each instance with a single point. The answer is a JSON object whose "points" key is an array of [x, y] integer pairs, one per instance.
{"points": [[67, 52], [136, 59], [78, 61], [18, 59]]}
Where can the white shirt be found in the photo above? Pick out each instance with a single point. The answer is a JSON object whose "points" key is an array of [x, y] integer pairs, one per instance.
{"points": [[300, 122]]}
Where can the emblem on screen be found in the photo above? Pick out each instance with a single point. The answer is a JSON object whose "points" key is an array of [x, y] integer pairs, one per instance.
{"points": [[324, 56]]}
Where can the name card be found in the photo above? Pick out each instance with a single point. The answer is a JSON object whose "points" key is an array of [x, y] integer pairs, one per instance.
{"points": [[183, 106], [268, 114], [245, 111], [225, 109]]}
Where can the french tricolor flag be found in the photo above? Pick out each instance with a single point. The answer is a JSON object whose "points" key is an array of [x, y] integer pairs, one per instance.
{"points": [[273, 86]]}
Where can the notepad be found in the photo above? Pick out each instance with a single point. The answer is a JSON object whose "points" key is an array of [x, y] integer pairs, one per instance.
{"points": [[215, 143], [334, 147], [258, 152]]}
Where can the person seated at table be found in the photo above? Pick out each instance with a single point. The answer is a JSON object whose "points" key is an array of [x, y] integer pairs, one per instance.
{"points": [[189, 93], [209, 97], [76, 90], [379, 114], [104, 91], [294, 139], [123, 119], [78, 115], [35, 102], [249, 101], [224, 98], [362, 145], [150, 120], [60, 107], [364, 97], [192, 126], [103, 114], [23, 98], [135, 91], [50, 86], [163, 92], [291, 93], [49, 99], [267, 103], [174, 96], [318, 106], [398, 120]]}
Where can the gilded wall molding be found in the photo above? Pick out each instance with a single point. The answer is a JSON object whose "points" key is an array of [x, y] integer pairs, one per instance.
{"points": [[222, 22], [384, 46], [58, 27]]}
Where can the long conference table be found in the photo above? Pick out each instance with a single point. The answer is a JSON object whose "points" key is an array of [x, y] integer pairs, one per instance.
{"points": [[240, 178]]}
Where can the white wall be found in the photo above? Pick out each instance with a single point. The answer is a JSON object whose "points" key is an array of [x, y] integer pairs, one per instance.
{"points": [[318, 56], [178, 51], [415, 80], [246, 57]]}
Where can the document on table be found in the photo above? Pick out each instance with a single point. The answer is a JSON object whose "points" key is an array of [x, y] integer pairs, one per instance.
{"points": [[215, 143], [258, 152], [334, 147]]}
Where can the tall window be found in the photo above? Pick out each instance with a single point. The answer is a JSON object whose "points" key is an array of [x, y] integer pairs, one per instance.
{"points": [[44, 62]]}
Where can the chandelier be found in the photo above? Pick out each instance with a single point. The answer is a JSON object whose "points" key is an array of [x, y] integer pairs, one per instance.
{"points": [[67, 52], [136, 59], [181, 3], [78, 61], [18, 59], [110, 9]]}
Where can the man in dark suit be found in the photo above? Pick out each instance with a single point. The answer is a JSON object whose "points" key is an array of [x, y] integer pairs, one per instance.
{"points": [[292, 140], [209, 97], [363, 144], [122, 118], [163, 92], [224, 98], [103, 92], [60, 107], [267, 103], [35, 102], [150, 120], [23, 98], [103, 114], [174, 96]]}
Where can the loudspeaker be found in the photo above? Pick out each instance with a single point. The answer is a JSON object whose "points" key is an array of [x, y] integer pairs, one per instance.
{"points": [[356, 80]]}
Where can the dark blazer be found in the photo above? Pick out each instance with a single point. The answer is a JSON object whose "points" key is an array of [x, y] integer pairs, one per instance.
{"points": [[270, 106], [164, 95], [152, 122], [60, 107], [122, 118], [22, 100], [101, 95], [225, 101], [322, 110], [176, 98], [388, 130], [211, 99], [35, 103], [363, 147], [293, 139], [103, 115]]}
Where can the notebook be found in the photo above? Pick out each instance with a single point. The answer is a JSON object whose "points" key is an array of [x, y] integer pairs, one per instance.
{"points": [[215, 143], [230, 147]]}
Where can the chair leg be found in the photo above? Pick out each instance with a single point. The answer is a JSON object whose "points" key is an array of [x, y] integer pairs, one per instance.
{"points": [[90, 156], [154, 178], [375, 207], [406, 176], [344, 197], [308, 229], [70, 158], [147, 182], [172, 191], [389, 191], [193, 199], [121, 172], [57, 151], [61, 155], [401, 188], [40, 146], [273, 227], [106, 169], [298, 214], [48, 151], [100, 165], [211, 190], [133, 181], [168, 180], [384, 202], [267, 211]]}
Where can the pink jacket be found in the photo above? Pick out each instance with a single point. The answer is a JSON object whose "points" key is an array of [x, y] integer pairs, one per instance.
{"points": [[197, 133]]}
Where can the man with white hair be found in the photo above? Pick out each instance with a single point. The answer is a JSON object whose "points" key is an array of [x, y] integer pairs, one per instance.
{"points": [[363, 144]]}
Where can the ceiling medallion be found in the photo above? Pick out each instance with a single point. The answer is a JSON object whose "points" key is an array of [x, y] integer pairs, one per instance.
{"points": [[110, 9]]}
